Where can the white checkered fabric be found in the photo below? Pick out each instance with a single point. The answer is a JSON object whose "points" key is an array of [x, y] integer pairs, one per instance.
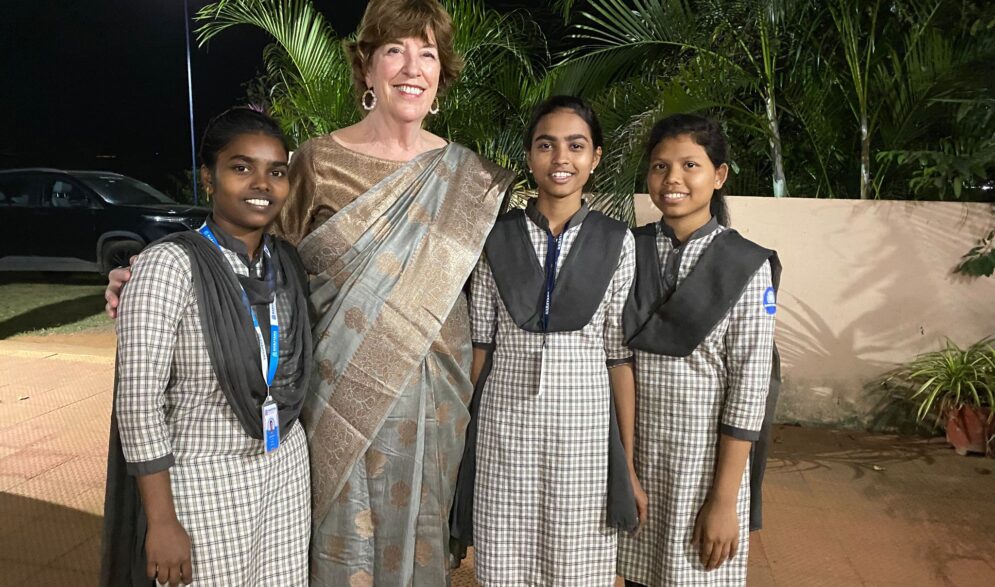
{"points": [[542, 452], [247, 513], [680, 405]]}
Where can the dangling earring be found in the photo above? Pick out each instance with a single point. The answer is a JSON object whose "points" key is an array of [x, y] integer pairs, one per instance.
{"points": [[434, 109], [369, 100]]}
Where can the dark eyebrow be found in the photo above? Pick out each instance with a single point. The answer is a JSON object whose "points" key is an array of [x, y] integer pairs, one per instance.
{"points": [[248, 159], [689, 158], [569, 138]]}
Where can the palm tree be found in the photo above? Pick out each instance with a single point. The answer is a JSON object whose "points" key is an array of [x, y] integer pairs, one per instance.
{"points": [[308, 81], [308, 77], [909, 84], [850, 85], [745, 43], [859, 34]]}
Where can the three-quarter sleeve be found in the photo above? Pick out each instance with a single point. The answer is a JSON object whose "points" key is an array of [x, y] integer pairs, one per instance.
{"points": [[483, 305], [151, 308], [615, 350], [293, 221], [749, 342]]}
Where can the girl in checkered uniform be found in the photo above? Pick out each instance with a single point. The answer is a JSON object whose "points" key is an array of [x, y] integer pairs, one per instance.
{"points": [[700, 320], [553, 474], [197, 491]]}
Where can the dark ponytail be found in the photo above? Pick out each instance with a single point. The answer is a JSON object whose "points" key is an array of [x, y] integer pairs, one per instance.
{"points": [[231, 123], [708, 135]]}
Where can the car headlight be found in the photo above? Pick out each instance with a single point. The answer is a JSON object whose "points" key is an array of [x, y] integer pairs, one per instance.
{"points": [[187, 222]]}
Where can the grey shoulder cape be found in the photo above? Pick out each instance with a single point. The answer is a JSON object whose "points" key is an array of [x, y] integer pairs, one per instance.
{"points": [[580, 284], [234, 353], [580, 287], [674, 323]]}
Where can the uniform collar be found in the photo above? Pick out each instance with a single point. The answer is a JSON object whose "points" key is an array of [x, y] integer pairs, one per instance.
{"points": [[537, 217], [234, 245], [705, 230]]}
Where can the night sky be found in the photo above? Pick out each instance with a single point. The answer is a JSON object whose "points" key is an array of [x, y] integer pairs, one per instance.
{"points": [[102, 84]]}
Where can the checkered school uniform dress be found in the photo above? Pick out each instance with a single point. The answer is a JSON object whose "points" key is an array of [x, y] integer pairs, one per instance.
{"points": [[681, 405], [542, 451], [248, 514]]}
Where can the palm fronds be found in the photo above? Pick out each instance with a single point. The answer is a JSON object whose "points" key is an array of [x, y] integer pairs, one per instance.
{"points": [[309, 78], [307, 69]]}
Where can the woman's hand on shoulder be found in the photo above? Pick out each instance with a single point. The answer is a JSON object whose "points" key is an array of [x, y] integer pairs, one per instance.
{"points": [[115, 283], [716, 532]]}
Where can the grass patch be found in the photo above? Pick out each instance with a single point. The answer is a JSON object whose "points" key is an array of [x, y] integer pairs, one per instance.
{"points": [[49, 303]]}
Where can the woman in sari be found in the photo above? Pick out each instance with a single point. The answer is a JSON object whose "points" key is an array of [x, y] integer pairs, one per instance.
{"points": [[389, 220]]}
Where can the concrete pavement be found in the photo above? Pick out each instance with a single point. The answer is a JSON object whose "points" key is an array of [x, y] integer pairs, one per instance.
{"points": [[842, 508]]}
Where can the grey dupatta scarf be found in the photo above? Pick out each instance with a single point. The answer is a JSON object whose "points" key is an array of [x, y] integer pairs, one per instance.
{"points": [[388, 269], [234, 354]]}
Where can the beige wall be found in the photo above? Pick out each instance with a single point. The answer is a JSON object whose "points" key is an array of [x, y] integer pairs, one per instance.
{"points": [[866, 284]]}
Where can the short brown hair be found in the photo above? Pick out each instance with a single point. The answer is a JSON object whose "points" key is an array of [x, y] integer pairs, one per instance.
{"points": [[390, 20]]}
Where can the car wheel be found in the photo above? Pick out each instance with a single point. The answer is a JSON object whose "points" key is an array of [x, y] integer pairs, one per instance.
{"points": [[119, 254]]}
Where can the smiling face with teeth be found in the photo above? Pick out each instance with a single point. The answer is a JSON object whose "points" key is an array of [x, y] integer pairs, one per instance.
{"points": [[562, 155], [249, 185], [404, 74], [682, 180]]}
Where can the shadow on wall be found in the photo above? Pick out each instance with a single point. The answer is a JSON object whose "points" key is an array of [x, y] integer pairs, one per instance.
{"points": [[46, 543], [867, 285], [833, 353]]}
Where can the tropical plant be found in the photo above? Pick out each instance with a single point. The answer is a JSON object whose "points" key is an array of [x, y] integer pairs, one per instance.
{"points": [[504, 77], [742, 48], [309, 79], [857, 26], [949, 378], [307, 72], [876, 98], [883, 98]]}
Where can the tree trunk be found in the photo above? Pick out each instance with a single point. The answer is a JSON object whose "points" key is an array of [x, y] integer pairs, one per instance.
{"points": [[865, 158], [780, 183]]}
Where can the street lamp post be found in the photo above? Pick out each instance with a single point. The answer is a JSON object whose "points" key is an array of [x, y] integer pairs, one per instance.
{"points": [[193, 143]]}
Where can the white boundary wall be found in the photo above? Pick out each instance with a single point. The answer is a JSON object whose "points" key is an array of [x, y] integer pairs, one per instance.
{"points": [[866, 284]]}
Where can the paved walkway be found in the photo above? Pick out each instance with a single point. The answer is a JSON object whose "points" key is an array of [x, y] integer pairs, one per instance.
{"points": [[843, 508]]}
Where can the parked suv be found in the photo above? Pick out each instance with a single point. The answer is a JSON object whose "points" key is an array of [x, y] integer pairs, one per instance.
{"points": [[53, 220]]}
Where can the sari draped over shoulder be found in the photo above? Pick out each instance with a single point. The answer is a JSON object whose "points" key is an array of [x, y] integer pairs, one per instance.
{"points": [[386, 411]]}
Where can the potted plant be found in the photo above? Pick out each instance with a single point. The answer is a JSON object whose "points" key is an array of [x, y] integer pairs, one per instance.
{"points": [[956, 387]]}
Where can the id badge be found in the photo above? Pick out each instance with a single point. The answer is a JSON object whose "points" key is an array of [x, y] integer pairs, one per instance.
{"points": [[543, 366], [271, 425]]}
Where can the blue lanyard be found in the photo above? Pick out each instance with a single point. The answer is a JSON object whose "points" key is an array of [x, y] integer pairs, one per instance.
{"points": [[552, 257], [269, 363]]}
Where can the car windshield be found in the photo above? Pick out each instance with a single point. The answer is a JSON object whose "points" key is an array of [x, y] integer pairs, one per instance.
{"points": [[125, 191]]}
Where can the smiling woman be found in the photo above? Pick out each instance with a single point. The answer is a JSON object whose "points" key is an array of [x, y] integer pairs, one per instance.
{"points": [[248, 181], [193, 477], [552, 481], [390, 220]]}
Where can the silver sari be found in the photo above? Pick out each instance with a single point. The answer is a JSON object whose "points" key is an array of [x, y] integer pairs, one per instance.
{"points": [[386, 412]]}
